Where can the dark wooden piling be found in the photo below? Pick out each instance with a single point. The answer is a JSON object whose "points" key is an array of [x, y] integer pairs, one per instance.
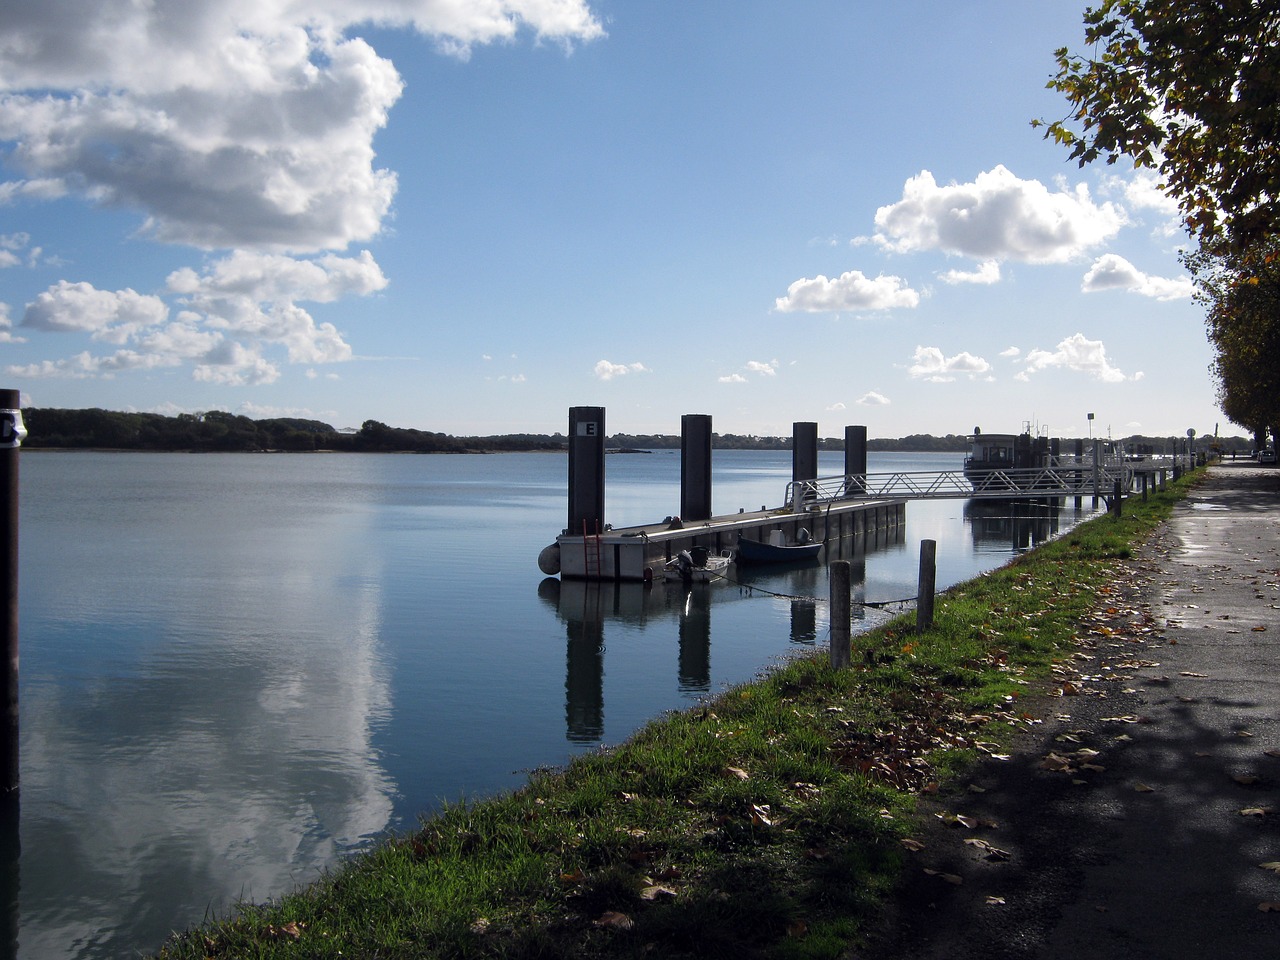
{"points": [[841, 614], [695, 467], [586, 471], [927, 584], [11, 434]]}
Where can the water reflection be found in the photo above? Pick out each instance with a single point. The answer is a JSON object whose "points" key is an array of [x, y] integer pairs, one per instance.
{"points": [[589, 610], [1001, 525]]}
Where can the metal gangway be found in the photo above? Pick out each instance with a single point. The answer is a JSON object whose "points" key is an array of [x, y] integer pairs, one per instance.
{"points": [[1063, 479]]}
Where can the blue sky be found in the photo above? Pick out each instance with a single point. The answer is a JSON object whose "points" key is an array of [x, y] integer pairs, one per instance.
{"points": [[470, 215]]}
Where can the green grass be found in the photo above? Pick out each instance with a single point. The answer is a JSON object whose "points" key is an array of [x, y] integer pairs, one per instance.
{"points": [[765, 824]]}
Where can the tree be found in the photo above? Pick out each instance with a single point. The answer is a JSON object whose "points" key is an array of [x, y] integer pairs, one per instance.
{"points": [[1243, 322], [1188, 89]]}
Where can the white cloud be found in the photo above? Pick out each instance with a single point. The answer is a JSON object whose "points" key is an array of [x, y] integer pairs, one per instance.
{"points": [[229, 123], [996, 217], [1010, 352], [769, 369], [849, 291], [872, 399], [733, 378], [605, 370], [240, 307], [988, 272], [1143, 191], [835, 407], [930, 364], [6, 326], [1112, 272], [1075, 353], [104, 314]]}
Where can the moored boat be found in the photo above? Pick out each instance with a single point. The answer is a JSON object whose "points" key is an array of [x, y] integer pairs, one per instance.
{"points": [[697, 566], [777, 550]]}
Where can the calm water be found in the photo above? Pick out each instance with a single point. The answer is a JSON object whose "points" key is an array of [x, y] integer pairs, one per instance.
{"points": [[236, 669]]}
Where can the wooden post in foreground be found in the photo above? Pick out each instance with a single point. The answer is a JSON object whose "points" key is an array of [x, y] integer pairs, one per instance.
{"points": [[11, 433], [928, 581], [841, 614]]}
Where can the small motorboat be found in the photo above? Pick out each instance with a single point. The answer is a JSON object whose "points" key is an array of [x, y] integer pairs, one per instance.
{"points": [[777, 550], [697, 566]]}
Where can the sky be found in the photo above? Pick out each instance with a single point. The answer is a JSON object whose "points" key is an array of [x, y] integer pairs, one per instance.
{"points": [[468, 216]]}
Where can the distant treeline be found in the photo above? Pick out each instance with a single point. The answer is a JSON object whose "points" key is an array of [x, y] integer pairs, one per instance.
{"points": [[227, 432]]}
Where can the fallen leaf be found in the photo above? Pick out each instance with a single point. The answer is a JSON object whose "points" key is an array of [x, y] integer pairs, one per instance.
{"points": [[797, 929], [737, 772], [615, 920], [1269, 906], [1143, 788], [656, 891], [995, 901], [1259, 629], [950, 878], [915, 846], [1273, 866], [1256, 811], [1272, 753], [480, 926], [1188, 673], [1246, 779]]}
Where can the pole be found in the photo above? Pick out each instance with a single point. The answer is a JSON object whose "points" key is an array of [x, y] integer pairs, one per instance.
{"points": [[12, 431], [841, 614], [928, 580]]}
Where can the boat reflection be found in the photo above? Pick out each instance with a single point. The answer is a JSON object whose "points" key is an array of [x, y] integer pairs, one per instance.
{"points": [[997, 526]]}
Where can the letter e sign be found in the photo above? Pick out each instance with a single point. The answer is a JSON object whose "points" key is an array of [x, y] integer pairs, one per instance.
{"points": [[588, 429]]}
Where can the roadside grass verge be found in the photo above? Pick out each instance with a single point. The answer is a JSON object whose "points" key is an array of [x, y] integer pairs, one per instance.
{"points": [[766, 823]]}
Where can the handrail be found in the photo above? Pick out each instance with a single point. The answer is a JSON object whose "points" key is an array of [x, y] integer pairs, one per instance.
{"points": [[1067, 478]]}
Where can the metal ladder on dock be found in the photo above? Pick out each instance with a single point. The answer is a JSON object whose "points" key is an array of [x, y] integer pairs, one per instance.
{"points": [[591, 552]]}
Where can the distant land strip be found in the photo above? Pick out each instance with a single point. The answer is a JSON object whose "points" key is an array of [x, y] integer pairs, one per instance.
{"points": [[218, 432]]}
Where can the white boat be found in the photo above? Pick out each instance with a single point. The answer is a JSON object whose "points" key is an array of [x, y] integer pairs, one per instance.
{"points": [[697, 566]]}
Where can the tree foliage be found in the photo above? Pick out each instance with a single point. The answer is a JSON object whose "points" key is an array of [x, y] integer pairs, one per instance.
{"points": [[1243, 322], [1190, 90]]}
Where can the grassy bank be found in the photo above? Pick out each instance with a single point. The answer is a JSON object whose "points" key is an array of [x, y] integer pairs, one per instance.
{"points": [[767, 823]]}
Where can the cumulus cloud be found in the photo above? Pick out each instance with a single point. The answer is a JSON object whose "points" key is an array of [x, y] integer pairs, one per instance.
{"points": [[1010, 352], [607, 371], [769, 369], [1112, 272], [733, 378], [849, 291], [16, 249], [223, 322], [229, 123], [988, 272], [6, 326], [996, 217], [104, 314], [1076, 353], [872, 399], [930, 364]]}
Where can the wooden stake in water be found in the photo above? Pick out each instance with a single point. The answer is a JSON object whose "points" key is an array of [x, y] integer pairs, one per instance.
{"points": [[928, 581], [841, 614]]}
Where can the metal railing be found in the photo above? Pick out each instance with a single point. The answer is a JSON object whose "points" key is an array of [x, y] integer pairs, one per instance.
{"points": [[1064, 480]]}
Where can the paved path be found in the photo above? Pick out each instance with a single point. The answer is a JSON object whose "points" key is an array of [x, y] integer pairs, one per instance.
{"points": [[1150, 848]]}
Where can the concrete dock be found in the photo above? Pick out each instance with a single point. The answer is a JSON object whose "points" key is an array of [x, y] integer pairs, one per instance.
{"points": [[639, 553]]}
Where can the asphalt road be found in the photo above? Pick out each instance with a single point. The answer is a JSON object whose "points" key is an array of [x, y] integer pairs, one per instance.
{"points": [[1132, 822]]}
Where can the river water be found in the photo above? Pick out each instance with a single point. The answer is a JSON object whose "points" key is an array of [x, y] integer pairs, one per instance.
{"points": [[237, 669]]}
